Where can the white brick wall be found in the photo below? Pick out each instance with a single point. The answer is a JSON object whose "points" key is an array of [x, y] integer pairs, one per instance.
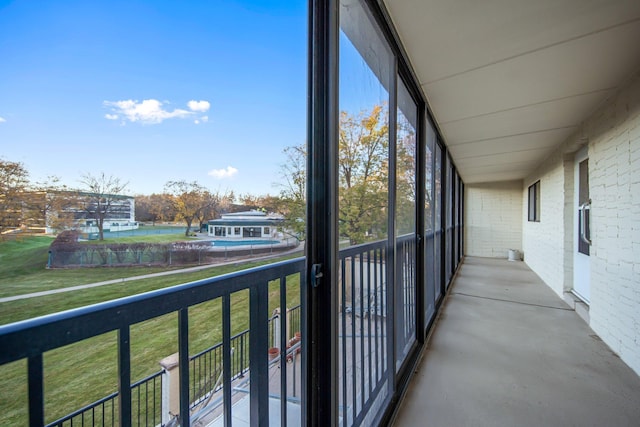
{"points": [[493, 218], [614, 163], [544, 241], [613, 135]]}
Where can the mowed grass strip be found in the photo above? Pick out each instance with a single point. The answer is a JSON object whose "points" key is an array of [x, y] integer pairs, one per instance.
{"points": [[23, 265], [84, 372]]}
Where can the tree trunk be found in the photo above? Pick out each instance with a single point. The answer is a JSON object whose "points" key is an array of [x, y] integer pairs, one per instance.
{"points": [[101, 229]]}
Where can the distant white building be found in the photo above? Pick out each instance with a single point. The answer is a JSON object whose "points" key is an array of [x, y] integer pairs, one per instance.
{"points": [[120, 216], [255, 225], [53, 211]]}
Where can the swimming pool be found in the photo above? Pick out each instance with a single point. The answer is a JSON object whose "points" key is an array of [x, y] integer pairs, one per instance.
{"points": [[243, 242]]}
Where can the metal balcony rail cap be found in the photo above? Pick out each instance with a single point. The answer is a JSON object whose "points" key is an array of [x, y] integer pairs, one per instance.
{"points": [[34, 336]]}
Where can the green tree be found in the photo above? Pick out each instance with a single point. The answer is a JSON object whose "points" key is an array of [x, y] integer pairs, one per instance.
{"points": [[155, 207], [405, 176], [193, 202], [267, 203], [213, 204], [363, 174]]}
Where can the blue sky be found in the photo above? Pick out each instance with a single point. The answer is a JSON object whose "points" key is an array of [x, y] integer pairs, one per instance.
{"points": [[152, 91]]}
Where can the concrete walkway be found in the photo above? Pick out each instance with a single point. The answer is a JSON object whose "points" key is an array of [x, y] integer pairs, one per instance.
{"points": [[507, 351], [148, 276]]}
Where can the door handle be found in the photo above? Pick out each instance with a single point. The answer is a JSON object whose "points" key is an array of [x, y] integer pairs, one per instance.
{"points": [[584, 208]]}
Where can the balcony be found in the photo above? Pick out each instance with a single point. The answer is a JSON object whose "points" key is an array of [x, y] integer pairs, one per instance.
{"points": [[236, 381], [495, 356], [507, 351], [220, 376]]}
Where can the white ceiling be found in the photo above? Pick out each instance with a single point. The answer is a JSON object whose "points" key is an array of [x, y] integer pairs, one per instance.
{"points": [[510, 80]]}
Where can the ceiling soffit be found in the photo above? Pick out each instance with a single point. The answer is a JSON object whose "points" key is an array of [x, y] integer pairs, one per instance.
{"points": [[508, 81]]}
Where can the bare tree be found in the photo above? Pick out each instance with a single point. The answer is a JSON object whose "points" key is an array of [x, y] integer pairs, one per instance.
{"points": [[100, 196], [293, 188]]}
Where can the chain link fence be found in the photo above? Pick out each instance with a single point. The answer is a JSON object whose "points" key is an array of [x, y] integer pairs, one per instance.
{"points": [[122, 255]]}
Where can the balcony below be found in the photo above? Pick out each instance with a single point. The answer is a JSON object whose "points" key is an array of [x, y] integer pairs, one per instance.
{"points": [[508, 351]]}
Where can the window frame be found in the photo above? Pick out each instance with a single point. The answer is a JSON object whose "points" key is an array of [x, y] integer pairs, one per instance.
{"points": [[533, 200]]}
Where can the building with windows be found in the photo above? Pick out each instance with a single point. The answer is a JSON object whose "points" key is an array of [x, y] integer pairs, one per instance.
{"points": [[119, 211], [52, 211], [254, 225]]}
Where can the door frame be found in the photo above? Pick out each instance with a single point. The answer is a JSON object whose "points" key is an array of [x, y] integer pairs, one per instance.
{"points": [[581, 262]]}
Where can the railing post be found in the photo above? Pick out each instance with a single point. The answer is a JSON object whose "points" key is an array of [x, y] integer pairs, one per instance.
{"points": [[226, 359], [170, 387], [36, 391], [124, 376], [183, 362], [288, 331], [259, 386], [276, 327]]}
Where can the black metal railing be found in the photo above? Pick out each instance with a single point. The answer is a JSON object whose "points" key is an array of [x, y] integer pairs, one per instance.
{"points": [[206, 367], [30, 339], [146, 397], [364, 347], [367, 361], [205, 379], [102, 412], [294, 320], [146, 406], [405, 296], [362, 330], [431, 294]]}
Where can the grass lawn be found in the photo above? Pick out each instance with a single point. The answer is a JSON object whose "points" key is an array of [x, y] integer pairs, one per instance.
{"points": [[84, 372], [23, 266]]}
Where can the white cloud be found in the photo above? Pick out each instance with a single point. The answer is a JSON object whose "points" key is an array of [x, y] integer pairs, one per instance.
{"points": [[203, 119], [200, 106], [2, 120], [223, 173], [149, 111]]}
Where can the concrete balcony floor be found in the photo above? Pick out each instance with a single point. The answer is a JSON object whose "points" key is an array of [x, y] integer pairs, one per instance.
{"points": [[507, 351]]}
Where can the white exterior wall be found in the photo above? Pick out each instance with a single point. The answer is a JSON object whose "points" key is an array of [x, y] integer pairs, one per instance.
{"points": [[544, 241], [613, 137], [493, 218], [614, 164]]}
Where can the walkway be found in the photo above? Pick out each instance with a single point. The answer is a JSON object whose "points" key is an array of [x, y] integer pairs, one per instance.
{"points": [[148, 276], [507, 351]]}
